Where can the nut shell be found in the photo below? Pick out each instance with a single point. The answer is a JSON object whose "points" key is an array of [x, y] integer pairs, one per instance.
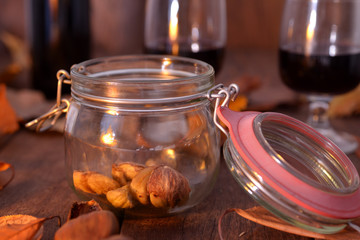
{"points": [[101, 184], [93, 182], [167, 187], [125, 172], [80, 180], [120, 197]]}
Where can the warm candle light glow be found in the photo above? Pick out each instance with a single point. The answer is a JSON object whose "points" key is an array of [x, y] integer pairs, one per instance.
{"points": [[310, 30], [108, 137], [112, 112], [202, 166], [170, 153], [173, 27], [166, 62], [311, 26]]}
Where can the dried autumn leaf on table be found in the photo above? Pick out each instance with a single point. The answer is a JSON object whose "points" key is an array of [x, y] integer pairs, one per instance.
{"points": [[118, 237], [93, 225], [346, 104], [9, 73], [262, 216], [8, 119], [240, 103], [22, 227], [18, 49], [4, 169], [20, 57], [248, 83]]}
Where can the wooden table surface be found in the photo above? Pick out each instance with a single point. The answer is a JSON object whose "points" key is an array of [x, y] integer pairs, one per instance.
{"points": [[40, 189]]}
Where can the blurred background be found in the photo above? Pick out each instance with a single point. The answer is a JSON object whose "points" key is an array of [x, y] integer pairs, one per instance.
{"points": [[116, 26]]}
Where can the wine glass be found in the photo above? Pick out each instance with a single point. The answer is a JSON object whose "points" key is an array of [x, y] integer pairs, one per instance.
{"points": [[319, 56], [195, 29]]}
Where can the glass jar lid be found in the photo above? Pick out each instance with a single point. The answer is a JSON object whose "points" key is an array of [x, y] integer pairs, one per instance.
{"points": [[291, 169]]}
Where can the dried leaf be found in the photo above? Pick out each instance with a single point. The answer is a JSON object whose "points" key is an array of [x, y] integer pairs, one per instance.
{"points": [[262, 216], [18, 49], [3, 168], [248, 83], [22, 227], [80, 208], [239, 104], [346, 104], [118, 237], [9, 73], [20, 57], [8, 118], [94, 225]]}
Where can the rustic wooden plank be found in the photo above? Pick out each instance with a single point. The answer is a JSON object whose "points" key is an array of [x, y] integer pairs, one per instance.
{"points": [[39, 187], [201, 222]]}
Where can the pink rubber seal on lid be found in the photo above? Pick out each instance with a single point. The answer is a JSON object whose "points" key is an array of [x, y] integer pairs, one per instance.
{"points": [[331, 204]]}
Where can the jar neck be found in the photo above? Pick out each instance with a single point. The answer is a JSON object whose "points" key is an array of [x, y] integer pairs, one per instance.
{"points": [[134, 106], [144, 81]]}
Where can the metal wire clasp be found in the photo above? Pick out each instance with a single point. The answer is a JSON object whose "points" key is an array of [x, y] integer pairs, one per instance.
{"points": [[61, 106], [223, 93]]}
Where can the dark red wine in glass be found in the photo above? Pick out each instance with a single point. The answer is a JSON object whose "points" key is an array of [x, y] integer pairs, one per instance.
{"points": [[319, 56], [320, 73], [187, 28], [210, 54]]}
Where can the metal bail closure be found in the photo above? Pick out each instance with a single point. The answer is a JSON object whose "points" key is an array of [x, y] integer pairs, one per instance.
{"points": [[224, 93], [61, 106]]}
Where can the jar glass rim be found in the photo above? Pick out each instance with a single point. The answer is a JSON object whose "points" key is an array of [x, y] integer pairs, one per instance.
{"points": [[140, 79], [305, 153], [80, 70]]}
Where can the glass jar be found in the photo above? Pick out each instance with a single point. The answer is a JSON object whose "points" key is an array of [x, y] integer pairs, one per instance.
{"points": [[292, 170], [141, 136], [139, 133]]}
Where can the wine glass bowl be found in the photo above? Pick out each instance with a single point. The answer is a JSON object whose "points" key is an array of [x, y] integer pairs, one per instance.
{"points": [[195, 29], [319, 56]]}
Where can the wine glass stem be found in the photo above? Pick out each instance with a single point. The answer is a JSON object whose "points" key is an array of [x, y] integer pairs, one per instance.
{"points": [[318, 117], [319, 120]]}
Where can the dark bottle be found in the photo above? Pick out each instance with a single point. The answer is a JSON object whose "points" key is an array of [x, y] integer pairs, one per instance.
{"points": [[320, 73], [59, 37]]}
